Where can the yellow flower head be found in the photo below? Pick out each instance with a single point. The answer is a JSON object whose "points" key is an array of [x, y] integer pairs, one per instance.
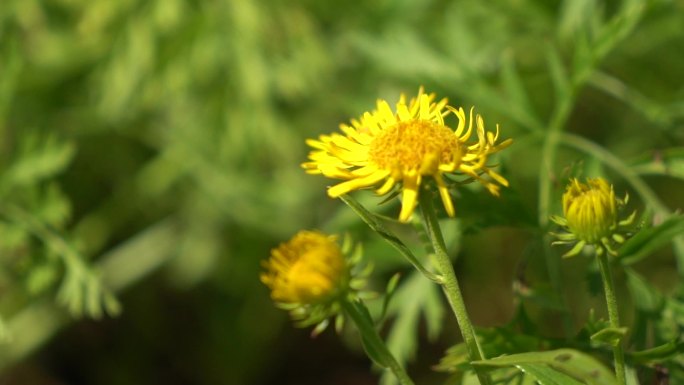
{"points": [[590, 209], [308, 269], [591, 216], [385, 148]]}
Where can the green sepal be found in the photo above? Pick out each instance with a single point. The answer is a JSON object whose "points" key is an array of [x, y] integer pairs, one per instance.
{"points": [[575, 250], [610, 335], [389, 293]]}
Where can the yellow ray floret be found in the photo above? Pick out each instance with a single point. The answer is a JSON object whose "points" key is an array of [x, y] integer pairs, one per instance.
{"points": [[387, 148]]}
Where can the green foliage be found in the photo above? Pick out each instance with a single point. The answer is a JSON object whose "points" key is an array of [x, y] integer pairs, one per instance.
{"points": [[563, 366], [648, 240], [417, 299], [151, 150]]}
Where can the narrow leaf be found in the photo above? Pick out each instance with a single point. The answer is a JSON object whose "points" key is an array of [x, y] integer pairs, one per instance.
{"points": [[386, 234], [648, 240], [659, 353]]}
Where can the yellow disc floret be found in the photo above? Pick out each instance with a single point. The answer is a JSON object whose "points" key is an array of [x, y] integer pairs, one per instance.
{"points": [[415, 145], [308, 269]]}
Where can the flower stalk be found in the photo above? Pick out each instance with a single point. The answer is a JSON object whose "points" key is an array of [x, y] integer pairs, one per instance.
{"points": [[613, 315], [450, 284], [375, 347]]}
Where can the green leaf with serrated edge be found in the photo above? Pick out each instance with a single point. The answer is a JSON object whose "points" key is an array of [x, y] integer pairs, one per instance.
{"points": [[610, 336], [646, 297], [494, 342], [648, 240], [546, 375], [658, 354], [575, 364]]}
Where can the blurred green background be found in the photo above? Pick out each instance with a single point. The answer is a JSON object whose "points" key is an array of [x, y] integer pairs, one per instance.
{"points": [[150, 150]]}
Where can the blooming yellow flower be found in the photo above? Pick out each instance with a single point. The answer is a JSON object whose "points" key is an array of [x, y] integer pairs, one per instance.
{"points": [[386, 148], [591, 216], [308, 269]]}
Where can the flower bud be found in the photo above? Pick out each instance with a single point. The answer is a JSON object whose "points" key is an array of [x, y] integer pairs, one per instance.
{"points": [[308, 269], [591, 217]]}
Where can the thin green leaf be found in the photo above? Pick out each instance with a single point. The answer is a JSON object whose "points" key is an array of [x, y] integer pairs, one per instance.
{"points": [[559, 77], [574, 17], [648, 240], [668, 162], [386, 234], [618, 27], [389, 293], [365, 325], [658, 354]]}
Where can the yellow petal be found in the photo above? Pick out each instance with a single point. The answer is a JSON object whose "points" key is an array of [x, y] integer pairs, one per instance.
{"points": [[355, 184], [409, 196], [444, 194]]}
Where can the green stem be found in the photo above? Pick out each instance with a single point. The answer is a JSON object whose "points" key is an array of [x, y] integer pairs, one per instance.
{"points": [[375, 347], [613, 316], [377, 226], [450, 283], [546, 172]]}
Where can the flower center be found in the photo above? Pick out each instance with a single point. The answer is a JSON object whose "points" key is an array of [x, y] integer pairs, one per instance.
{"points": [[414, 145], [314, 275]]}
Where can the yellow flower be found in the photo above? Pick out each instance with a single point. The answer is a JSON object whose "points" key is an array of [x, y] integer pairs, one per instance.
{"points": [[308, 269], [386, 148], [591, 216]]}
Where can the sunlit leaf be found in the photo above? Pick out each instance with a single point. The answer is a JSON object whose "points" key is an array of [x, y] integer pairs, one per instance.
{"points": [[565, 365]]}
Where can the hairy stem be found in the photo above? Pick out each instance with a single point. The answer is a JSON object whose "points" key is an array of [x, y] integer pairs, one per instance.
{"points": [[613, 315], [450, 284]]}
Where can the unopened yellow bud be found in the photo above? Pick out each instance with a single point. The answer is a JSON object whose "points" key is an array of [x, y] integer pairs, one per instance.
{"points": [[590, 209], [308, 269], [591, 217]]}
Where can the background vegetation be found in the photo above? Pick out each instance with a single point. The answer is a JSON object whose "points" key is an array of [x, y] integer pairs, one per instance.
{"points": [[149, 159]]}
